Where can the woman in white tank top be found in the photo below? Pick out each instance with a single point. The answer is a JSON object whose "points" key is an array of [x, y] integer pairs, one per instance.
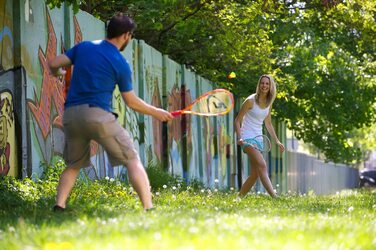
{"points": [[254, 111]]}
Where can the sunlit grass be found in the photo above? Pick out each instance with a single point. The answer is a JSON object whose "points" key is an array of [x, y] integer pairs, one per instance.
{"points": [[107, 215]]}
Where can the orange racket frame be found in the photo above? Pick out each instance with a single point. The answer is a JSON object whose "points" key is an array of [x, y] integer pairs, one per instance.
{"points": [[188, 109]]}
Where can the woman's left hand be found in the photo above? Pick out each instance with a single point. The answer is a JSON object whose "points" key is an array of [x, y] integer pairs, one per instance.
{"points": [[281, 146]]}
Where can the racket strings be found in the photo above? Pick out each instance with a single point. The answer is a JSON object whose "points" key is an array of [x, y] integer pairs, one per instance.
{"points": [[213, 104]]}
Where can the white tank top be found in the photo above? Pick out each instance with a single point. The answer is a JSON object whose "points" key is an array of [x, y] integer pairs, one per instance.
{"points": [[253, 120]]}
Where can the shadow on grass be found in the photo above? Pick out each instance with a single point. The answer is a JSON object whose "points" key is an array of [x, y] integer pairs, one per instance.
{"points": [[29, 203]]}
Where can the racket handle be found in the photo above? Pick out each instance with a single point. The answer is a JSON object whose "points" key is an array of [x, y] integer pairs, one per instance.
{"points": [[176, 113]]}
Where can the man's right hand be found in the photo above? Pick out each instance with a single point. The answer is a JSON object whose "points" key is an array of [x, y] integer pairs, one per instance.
{"points": [[163, 115]]}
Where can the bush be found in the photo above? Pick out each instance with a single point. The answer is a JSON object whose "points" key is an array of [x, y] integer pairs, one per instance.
{"points": [[53, 171], [159, 177]]}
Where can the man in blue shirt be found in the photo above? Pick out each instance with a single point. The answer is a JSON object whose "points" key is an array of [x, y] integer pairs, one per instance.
{"points": [[98, 68]]}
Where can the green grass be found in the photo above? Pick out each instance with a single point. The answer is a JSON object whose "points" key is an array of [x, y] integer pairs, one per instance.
{"points": [[107, 214]]}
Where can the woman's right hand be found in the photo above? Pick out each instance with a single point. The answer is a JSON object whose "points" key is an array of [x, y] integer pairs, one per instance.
{"points": [[240, 141]]}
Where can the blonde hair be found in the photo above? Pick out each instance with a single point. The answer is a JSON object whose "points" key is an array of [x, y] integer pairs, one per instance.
{"points": [[272, 90]]}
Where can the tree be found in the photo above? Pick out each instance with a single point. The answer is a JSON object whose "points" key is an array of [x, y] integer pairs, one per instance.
{"points": [[327, 75]]}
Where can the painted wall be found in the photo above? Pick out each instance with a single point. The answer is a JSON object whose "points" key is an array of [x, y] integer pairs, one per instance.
{"points": [[202, 148], [9, 155]]}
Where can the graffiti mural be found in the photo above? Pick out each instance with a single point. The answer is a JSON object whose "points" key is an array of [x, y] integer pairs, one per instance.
{"points": [[151, 92], [157, 125], [8, 147], [51, 92], [180, 128], [47, 104], [7, 135], [6, 36]]}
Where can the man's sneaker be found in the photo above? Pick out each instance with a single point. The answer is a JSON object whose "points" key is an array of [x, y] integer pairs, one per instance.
{"points": [[150, 209], [57, 208]]}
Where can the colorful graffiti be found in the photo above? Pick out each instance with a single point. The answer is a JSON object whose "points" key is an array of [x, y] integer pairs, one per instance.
{"points": [[6, 38], [157, 125], [47, 104], [8, 147], [52, 90], [7, 133], [180, 128]]}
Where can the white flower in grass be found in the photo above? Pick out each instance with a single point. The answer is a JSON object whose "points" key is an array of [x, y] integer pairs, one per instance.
{"points": [[202, 190], [173, 188], [157, 193], [231, 188], [112, 179], [350, 209], [164, 186], [157, 236], [107, 178], [193, 230]]}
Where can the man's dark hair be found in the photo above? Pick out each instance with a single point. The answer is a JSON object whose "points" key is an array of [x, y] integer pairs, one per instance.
{"points": [[120, 24]]}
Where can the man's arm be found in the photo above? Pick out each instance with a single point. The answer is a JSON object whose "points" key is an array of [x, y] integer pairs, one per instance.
{"points": [[58, 62], [137, 104]]}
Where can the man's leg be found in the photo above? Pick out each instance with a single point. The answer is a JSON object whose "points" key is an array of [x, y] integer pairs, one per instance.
{"points": [[140, 182], [76, 151], [66, 183]]}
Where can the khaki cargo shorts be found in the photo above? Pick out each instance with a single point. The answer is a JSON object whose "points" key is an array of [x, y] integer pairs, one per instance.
{"points": [[84, 123]]}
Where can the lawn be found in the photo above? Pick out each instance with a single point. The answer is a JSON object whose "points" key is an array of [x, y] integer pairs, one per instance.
{"points": [[106, 214]]}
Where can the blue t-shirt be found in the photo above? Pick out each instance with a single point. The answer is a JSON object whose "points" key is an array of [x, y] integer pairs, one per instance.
{"points": [[98, 67]]}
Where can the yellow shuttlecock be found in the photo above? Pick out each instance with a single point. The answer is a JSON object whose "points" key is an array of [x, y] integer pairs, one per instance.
{"points": [[231, 75]]}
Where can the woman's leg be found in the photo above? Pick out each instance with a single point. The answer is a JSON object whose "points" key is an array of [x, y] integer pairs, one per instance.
{"points": [[248, 184], [259, 164]]}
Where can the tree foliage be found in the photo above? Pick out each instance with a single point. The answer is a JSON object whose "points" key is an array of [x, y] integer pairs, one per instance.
{"points": [[321, 52]]}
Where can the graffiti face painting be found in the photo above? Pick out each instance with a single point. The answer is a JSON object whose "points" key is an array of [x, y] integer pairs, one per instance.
{"points": [[4, 145]]}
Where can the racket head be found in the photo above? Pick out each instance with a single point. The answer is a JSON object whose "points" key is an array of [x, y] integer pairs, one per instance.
{"points": [[260, 143], [216, 102]]}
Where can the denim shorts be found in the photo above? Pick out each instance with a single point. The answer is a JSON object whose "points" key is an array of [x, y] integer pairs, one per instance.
{"points": [[252, 141]]}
